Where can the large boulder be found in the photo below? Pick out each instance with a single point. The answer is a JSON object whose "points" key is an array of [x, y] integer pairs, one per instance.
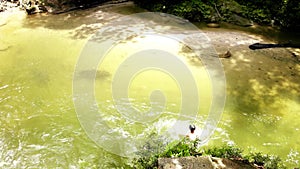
{"points": [[240, 21], [185, 163], [202, 162]]}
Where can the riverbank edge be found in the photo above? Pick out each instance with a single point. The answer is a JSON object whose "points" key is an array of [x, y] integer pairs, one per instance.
{"points": [[185, 153]]}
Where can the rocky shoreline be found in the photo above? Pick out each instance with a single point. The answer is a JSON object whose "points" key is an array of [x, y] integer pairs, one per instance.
{"points": [[6, 5], [33, 7]]}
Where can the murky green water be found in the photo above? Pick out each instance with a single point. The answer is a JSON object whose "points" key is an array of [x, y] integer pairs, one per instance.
{"points": [[39, 126]]}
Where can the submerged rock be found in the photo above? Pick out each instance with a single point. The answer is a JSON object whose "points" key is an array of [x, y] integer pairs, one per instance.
{"points": [[227, 54], [213, 25], [2, 23], [3, 47]]}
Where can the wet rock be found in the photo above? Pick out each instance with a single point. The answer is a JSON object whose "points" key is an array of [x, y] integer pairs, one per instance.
{"points": [[227, 54], [6, 5], [119, 1], [202, 162], [185, 163], [213, 25], [240, 21], [35, 9]]}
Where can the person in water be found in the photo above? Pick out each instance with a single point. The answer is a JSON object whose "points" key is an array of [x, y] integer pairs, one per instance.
{"points": [[193, 135]]}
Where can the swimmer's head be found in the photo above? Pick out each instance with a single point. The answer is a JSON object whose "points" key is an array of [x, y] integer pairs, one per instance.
{"points": [[192, 128]]}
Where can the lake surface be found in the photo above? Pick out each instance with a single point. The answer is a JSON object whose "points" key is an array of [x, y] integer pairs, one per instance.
{"points": [[39, 125]]}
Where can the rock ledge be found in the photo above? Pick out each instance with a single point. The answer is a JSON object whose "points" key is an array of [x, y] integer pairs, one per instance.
{"points": [[202, 162]]}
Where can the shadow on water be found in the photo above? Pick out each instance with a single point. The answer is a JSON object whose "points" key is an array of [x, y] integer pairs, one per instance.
{"points": [[261, 78], [271, 33], [263, 95], [263, 92]]}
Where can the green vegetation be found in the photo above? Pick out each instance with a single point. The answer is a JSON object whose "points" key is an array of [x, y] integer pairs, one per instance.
{"points": [[284, 13], [268, 161], [178, 148], [224, 151], [185, 147]]}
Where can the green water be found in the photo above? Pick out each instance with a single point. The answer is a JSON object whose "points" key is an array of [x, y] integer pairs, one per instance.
{"points": [[39, 126]]}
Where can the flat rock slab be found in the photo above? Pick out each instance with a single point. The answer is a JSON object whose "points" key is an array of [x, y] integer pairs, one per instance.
{"points": [[185, 163], [201, 162]]}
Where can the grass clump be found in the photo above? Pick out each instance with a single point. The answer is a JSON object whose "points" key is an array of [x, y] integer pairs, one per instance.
{"points": [[177, 148], [181, 148], [225, 151], [265, 160]]}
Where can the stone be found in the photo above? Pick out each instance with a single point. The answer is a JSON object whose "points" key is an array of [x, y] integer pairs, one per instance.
{"points": [[240, 21], [213, 25], [202, 162], [35, 9], [227, 54]]}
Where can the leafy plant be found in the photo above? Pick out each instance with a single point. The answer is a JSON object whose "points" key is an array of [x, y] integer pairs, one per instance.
{"points": [[268, 161], [285, 13], [177, 148], [181, 148], [225, 151]]}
